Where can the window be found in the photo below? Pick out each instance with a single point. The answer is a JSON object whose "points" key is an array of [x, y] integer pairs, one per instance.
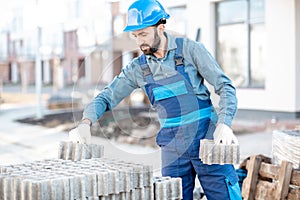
{"points": [[178, 19], [241, 41]]}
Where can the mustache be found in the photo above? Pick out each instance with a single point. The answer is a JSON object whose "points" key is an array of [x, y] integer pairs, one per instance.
{"points": [[149, 50]]}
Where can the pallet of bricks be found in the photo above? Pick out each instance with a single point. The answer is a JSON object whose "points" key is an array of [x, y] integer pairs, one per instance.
{"points": [[81, 172], [279, 177]]}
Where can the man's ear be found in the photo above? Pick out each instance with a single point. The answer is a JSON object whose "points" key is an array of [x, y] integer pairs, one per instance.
{"points": [[161, 28]]}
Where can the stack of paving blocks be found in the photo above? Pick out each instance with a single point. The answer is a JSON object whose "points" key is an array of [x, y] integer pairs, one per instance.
{"points": [[211, 153], [94, 178]]}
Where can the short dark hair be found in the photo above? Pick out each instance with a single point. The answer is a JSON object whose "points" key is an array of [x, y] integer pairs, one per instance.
{"points": [[161, 21]]}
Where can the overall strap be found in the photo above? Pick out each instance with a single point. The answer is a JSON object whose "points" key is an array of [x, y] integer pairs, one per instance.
{"points": [[146, 69], [179, 64]]}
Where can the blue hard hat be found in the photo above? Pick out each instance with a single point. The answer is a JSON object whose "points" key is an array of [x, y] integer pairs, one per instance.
{"points": [[144, 13]]}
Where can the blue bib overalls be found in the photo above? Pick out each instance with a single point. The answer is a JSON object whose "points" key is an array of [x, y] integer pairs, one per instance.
{"points": [[184, 120]]}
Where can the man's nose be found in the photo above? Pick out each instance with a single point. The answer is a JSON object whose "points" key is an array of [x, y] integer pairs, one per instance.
{"points": [[139, 41]]}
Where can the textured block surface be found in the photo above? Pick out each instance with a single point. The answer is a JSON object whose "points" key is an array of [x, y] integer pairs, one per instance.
{"points": [[211, 153], [77, 151], [286, 146]]}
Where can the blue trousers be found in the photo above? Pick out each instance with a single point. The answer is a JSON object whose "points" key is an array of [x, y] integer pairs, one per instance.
{"points": [[180, 158]]}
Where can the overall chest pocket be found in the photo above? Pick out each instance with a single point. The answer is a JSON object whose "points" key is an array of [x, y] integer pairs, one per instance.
{"points": [[169, 90]]}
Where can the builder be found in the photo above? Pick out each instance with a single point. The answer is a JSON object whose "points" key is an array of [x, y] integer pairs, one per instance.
{"points": [[172, 72]]}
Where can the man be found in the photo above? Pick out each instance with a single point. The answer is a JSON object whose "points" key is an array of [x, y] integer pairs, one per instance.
{"points": [[172, 72]]}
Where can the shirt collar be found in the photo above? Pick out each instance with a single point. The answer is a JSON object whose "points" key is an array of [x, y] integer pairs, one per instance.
{"points": [[171, 44]]}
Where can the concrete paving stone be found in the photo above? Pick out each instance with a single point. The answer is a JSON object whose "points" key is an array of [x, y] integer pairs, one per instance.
{"points": [[26, 189], [160, 191], [114, 181], [79, 186], [97, 151], [102, 183], [91, 184], [149, 192], [138, 176], [6, 187], [129, 178], [167, 188], [124, 179], [139, 193], [17, 187], [77, 152], [68, 151], [177, 188], [147, 175], [41, 190], [211, 153]]}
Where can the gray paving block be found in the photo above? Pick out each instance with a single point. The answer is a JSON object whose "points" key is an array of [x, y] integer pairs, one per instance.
{"points": [[149, 192], [147, 175], [102, 182], [211, 153], [77, 151], [167, 188], [160, 190]]}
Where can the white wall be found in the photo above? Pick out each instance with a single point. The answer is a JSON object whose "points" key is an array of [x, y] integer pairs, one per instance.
{"points": [[280, 31], [282, 46], [297, 10]]}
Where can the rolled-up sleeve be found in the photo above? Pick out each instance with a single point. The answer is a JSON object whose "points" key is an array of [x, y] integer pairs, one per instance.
{"points": [[121, 86], [214, 75]]}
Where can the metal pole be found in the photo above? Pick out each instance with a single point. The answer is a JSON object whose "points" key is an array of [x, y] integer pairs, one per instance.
{"points": [[38, 75]]}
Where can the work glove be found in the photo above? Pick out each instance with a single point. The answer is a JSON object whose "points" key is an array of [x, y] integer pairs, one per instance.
{"points": [[81, 134], [224, 135]]}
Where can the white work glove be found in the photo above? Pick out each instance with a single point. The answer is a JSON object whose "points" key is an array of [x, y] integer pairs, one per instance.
{"points": [[81, 134], [224, 135]]}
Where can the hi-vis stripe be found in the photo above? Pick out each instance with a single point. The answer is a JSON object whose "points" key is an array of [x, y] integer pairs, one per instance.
{"points": [[186, 119], [170, 90]]}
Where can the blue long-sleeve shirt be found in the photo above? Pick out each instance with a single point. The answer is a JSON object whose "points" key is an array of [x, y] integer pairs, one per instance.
{"points": [[200, 66]]}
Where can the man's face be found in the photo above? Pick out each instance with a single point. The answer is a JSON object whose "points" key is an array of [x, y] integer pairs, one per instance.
{"points": [[147, 39]]}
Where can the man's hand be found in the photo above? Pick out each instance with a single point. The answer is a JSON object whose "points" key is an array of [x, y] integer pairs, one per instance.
{"points": [[81, 134], [224, 135]]}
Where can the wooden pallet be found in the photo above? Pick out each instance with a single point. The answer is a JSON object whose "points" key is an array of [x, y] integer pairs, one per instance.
{"points": [[266, 181]]}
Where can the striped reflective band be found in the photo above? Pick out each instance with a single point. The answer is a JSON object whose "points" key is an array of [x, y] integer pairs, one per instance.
{"points": [[186, 119], [170, 90]]}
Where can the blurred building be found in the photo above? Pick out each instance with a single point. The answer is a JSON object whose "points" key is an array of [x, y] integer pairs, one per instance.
{"points": [[256, 42]]}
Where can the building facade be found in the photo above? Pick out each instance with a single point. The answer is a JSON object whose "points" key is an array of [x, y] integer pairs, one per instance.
{"points": [[256, 42]]}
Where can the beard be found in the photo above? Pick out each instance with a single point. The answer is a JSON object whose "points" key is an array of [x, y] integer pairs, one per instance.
{"points": [[150, 50]]}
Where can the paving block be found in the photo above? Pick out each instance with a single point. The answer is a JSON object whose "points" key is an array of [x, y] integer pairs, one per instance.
{"points": [[149, 193], [167, 188], [147, 175], [102, 182], [211, 153], [77, 151]]}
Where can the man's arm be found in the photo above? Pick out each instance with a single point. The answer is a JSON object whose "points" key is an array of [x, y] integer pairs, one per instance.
{"points": [[107, 99], [110, 96], [214, 75]]}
